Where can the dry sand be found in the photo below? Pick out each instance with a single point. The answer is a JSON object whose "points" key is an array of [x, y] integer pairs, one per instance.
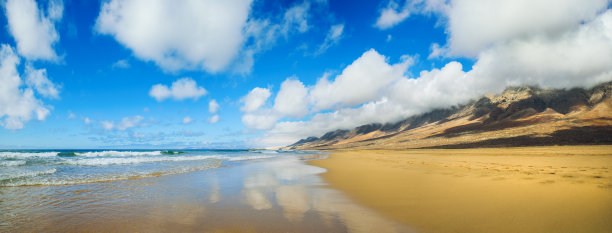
{"points": [[537, 189]]}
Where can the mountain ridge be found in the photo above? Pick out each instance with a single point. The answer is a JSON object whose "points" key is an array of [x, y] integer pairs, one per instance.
{"points": [[519, 116]]}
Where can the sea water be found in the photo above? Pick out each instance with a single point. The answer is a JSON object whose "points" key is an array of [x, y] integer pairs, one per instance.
{"points": [[62, 167]]}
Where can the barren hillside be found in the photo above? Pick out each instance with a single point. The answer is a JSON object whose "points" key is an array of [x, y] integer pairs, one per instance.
{"points": [[520, 116]]}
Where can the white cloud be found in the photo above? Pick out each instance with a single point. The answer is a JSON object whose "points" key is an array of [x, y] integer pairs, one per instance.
{"points": [[296, 18], [71, 115], [178, 35], [213, 106], [121, 64], [389, 37], [361, 81], [473, 26], [107, 125], [392, 15], [187, 120], [333, 37], [55, 10], [262, 119], [264, 33], [185, 35], [34, 31], [580, 57], [255, 116], [129, 122], [17, 105], [37, 78], [184, 88], [86, 120], [436, 51], [125, 123], [255, 99], [214, 119], [291, 99]]}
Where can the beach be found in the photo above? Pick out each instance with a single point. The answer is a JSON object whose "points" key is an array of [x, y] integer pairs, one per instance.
{"points": [[531, 189], [277, 192]]}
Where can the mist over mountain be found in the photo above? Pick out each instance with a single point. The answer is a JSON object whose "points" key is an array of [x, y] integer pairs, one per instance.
{"points": [[519, 116]]}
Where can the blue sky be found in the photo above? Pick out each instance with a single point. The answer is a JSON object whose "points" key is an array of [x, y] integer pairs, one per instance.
{"points": [[278, 71]]}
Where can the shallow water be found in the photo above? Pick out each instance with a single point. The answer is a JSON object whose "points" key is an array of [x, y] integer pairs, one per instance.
{"points": [[19, 168], [279, 193]]}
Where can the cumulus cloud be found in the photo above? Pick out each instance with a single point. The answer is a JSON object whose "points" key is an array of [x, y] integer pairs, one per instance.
{"points": [[177, 35], [291, 98], [262, 119], [255, 99], [18, 103], [213, 106], [255, 116], [474, 26], [361, 81], [579, 57], [291, 101], [333, 37], [184, 88], [514, 42], [34, 30], [198, 35], [37, 78]]}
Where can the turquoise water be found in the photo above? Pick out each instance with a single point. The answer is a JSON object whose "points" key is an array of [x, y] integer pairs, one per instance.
{"points": [[60, 167]]}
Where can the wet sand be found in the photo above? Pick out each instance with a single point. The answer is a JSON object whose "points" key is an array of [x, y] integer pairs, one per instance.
{"points": [[537, 189], [270, 195]]}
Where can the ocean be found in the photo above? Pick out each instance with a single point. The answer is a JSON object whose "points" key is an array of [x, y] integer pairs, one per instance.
{"points": [[63, 167]]}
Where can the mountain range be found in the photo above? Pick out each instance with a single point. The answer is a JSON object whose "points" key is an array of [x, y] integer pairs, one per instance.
{"points": [[519, 116]]}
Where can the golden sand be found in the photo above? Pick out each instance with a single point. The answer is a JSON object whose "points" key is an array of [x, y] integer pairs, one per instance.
{"points": [[537, 189]]}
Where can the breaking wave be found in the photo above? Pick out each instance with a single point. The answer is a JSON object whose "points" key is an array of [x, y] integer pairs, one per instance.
{"points": [[25, 155], [133, 160], [117, 153]]}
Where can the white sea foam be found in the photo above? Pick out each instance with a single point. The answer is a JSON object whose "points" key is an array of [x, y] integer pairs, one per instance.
{"points": [[269, 152], [25, 155], [134, 160], [22, 173], [103, 178], [117, 153], [249, 157], [12, 163]]}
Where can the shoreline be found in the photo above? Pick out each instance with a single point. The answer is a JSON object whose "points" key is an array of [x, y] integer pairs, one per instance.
{"points": [[280, 194], [518, 189]]}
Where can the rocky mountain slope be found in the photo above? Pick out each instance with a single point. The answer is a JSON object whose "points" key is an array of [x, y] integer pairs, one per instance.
{"points": [[520, 116]]}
